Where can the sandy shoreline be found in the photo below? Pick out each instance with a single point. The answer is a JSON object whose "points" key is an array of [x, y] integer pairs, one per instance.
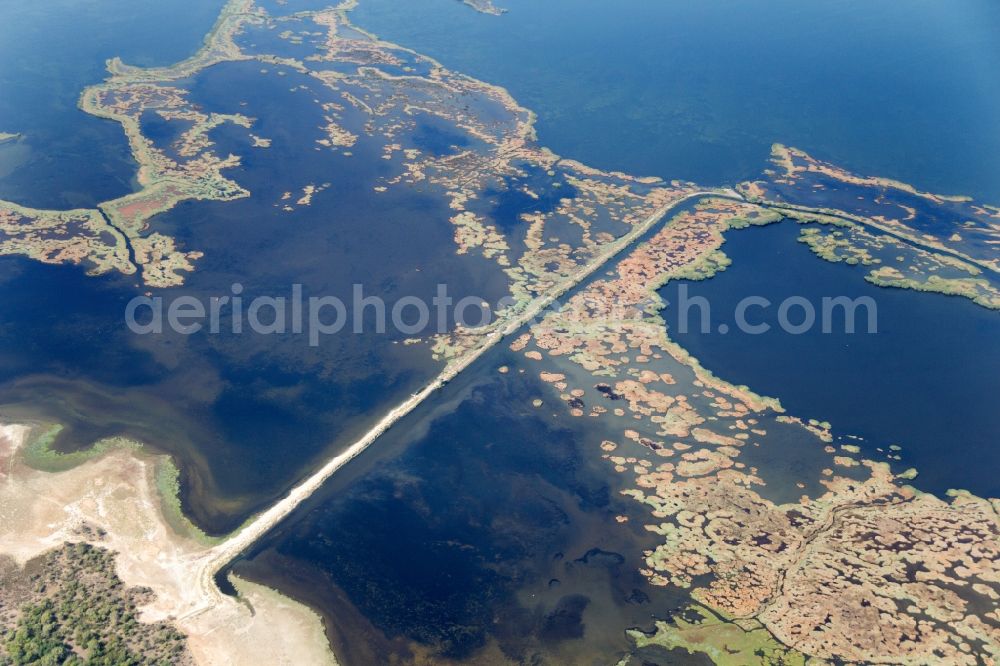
{"points": [[228, 550], [117, 493]]}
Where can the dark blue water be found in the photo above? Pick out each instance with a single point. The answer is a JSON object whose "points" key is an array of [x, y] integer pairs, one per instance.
{"points": [[481, 526], [927, 380], [48, 53], [700, 91], [434, 137], [244, 416], [459, 537]]}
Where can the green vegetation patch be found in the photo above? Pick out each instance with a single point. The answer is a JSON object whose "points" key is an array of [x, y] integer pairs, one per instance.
{"points": [[834, 247], [168, 489], [69, 607], [979, 290], [700, 631], [39, 454]]}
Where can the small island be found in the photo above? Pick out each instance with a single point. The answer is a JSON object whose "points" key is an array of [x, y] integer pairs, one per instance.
{"points": [[485, 7]]}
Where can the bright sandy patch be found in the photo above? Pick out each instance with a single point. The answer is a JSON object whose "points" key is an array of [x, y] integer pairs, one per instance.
{"points": [[41, 510]]}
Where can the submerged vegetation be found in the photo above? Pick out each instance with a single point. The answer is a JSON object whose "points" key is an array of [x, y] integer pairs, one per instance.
{"points": [[979, 290], [776, 581], [698, 630], [938, 241], [39, 453]]}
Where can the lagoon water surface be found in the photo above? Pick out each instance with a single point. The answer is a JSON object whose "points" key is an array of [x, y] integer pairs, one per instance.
{"points": [[479, 524], [700, 91], [926, 380]]}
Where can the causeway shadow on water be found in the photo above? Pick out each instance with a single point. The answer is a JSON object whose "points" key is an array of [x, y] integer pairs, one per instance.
{"points": [[482, 530], [245, 415]]}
